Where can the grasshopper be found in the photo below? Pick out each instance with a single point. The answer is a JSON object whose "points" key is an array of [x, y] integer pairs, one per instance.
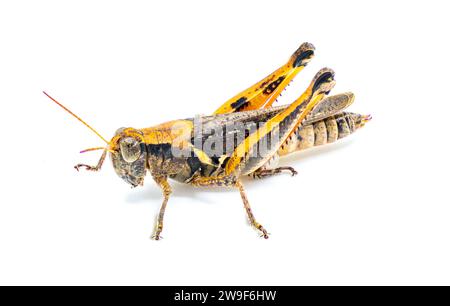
{"points": [[244, 136]]}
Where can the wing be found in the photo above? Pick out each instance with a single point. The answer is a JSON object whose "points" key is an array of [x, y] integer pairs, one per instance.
{"points": [[329, 106], [258, 146], [232, 128], [266, 91], [325, 108], [218, 135]]}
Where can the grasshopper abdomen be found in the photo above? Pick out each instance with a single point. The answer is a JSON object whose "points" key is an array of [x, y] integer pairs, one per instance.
{"points": [[324, 131]]}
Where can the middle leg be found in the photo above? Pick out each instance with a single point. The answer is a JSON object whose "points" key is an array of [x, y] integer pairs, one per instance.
{"points": [[250, 215], [232, 181], [262, 173]]}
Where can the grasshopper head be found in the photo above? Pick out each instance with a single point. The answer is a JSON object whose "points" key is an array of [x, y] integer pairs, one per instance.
{"points": [[129, 155]]}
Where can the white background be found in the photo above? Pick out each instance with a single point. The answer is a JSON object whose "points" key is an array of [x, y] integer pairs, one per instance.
{"points": [[371, 209]]}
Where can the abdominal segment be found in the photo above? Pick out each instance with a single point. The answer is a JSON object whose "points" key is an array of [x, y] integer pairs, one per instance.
{"points": [[322, 132]]}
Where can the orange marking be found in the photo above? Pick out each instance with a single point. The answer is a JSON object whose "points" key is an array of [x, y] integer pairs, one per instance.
{"points": [[168, 132]]}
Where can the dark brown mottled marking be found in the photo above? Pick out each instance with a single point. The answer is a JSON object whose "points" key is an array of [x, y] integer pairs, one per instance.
{"points": [[272, 86], [303, 55], [240, 104], [322, 79]]}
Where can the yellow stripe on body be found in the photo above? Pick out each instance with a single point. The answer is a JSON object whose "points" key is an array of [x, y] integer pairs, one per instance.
{"points": [[321, 84], [270, 125]]}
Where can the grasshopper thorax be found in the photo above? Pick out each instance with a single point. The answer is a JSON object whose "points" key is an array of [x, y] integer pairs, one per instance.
{"points": [[129, 155]]}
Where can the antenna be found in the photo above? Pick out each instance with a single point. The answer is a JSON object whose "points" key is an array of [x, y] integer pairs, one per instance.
{"points": [[79, 119]]}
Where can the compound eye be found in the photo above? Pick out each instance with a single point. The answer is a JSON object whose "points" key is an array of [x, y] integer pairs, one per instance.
{"points": [[130, 149]]}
